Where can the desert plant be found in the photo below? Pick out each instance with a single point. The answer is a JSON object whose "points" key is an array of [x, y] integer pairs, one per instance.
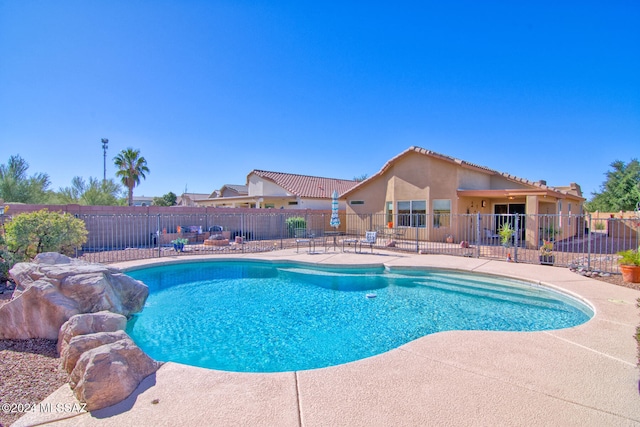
{"points": [[630, 257], [29, 234], [506, 232]]}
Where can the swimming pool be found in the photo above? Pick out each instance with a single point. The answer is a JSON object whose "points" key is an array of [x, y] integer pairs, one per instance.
{"points": [[252, 316]]}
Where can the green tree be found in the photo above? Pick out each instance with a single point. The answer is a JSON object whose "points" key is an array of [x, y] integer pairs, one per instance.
{"points": [[29, 234], [94, 193], [621, 190], [131, 167], [168, 199], [16, 186]]}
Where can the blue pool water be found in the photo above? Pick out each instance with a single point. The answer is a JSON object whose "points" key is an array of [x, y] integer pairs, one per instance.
{"points": [[263, 317]]}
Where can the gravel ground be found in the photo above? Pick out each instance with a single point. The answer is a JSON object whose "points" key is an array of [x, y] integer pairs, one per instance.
{"points": [[30, 369]]}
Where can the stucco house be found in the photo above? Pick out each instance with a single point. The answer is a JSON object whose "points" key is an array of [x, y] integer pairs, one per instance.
{"points": [[437, 187], [190, 199], [267, 189]]}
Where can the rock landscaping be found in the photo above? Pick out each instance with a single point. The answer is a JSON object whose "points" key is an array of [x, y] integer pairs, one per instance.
{"points": [[85, 307]]}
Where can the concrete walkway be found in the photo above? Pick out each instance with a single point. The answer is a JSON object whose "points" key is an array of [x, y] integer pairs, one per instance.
{"points": [[581, 376]]}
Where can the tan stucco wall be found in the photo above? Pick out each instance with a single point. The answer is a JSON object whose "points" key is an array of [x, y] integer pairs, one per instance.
{"points": [[415, 176], [260, 187]]}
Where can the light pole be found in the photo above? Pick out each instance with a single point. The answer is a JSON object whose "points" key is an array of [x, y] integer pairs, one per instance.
{"points": [[105, 142]]}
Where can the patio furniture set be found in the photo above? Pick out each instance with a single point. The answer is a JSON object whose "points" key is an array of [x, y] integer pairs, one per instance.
{"points": [[330, 238]]}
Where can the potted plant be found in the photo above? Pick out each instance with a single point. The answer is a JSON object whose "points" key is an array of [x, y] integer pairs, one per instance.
{"points": [[546, 253], [178, 244], [506, 233], [630, 265]]}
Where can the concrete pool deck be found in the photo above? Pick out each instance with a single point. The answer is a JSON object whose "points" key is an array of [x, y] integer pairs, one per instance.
{"points": [[580, 376]]}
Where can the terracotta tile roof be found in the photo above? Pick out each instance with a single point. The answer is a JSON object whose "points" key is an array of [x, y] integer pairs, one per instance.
{"points": [[306, 186], [388, 164]]}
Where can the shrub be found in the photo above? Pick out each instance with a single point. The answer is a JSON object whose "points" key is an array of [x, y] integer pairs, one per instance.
{"points": [[506, 232], [6, 260], [638, 334], [29, 234], [630, 257], [295, 222]]}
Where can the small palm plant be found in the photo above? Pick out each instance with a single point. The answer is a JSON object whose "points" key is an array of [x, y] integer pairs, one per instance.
{"points": [[506, 232]]}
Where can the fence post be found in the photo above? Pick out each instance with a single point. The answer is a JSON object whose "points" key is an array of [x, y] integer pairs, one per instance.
{"points": [[242, 230], [282, 220], [478, 223], [417, 233], [158, 233], [515, 238], [76, 249], [589, 243]]}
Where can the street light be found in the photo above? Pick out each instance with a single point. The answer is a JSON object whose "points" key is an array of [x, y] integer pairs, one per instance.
{"points": [[105, 142]]}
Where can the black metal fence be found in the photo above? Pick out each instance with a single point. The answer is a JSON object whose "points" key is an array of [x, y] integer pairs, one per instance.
{"points": [[570, 240]]}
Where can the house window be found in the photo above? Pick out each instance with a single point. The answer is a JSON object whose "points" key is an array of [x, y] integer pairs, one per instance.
{"points": [[269, 205], [357, 202], [441, 213], [293, 203], [389, 211], [412, 213]]}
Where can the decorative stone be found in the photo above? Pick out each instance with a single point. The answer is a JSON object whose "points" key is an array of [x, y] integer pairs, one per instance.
{"points": [[54, 287], [82, 343], [108, 374], [89, 323]]}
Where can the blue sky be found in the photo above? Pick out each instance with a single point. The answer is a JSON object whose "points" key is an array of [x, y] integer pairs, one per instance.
{"points": [[209, 90]]}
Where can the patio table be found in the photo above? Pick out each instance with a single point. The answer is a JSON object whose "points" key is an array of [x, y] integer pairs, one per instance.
{"points": [[335, 235]]}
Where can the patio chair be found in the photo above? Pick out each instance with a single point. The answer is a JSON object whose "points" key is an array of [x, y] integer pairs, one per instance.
{"points": [[369, 239], [302, 236], [490, 236]]}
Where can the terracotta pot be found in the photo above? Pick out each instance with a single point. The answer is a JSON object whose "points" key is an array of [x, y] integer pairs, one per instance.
{"points": [[630, 273]]}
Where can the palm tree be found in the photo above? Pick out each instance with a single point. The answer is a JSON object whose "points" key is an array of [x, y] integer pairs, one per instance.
{"points": [[130, 168]]}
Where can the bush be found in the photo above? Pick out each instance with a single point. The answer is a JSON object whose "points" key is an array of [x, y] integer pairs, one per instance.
{"points": [[638, 334], [7, 260], [295, 222], [29, 234]]}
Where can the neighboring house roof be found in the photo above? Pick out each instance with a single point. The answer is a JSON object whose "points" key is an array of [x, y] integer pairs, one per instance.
{"points": [[142, 201], [306, 186], [194, 195], [238, 189], [190, 197], [572, 190]]}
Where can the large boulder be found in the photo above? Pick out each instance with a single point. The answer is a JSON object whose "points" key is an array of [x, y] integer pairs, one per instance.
{"points": [[82, 343], [89, 323], [54, 287], [108, 374]]}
